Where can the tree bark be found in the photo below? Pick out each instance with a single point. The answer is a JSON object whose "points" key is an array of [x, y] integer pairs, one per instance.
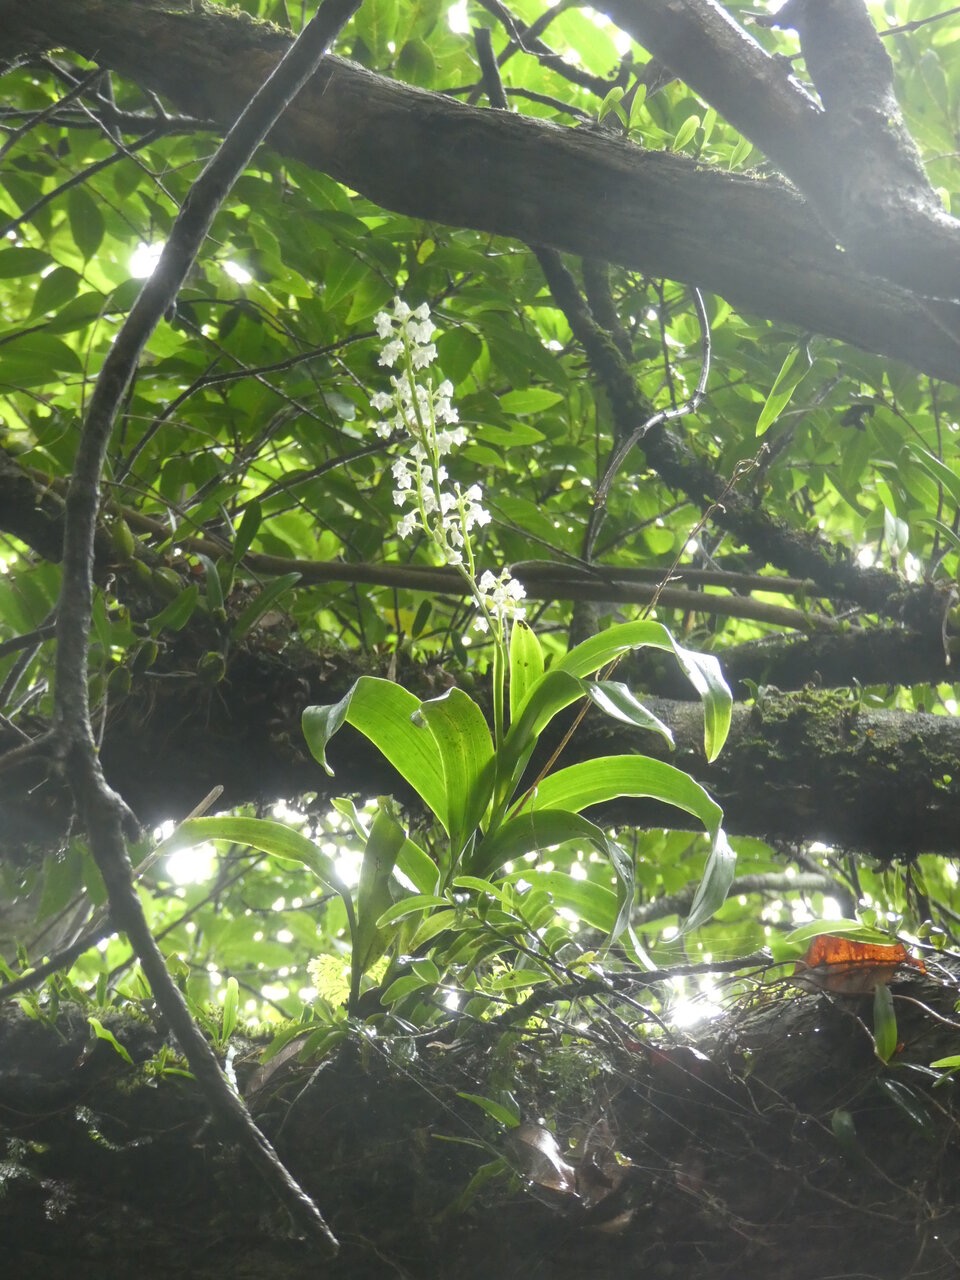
{"points": [[750, 240], [797, 767]]}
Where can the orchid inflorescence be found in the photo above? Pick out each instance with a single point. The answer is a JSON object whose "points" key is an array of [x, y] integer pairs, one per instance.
{"points": [[424, 412]]}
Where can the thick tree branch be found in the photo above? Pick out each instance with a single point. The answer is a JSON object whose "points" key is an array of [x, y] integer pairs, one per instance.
{"points": [[797, 767], [853, 160], [754, 242]]}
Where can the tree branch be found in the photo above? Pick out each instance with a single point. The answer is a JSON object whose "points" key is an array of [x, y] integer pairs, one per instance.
{"points": [[853, 160], [754, 242], [104, 814]]}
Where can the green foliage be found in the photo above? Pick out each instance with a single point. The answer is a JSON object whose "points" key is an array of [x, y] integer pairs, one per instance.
{"points": [[245, 458]]}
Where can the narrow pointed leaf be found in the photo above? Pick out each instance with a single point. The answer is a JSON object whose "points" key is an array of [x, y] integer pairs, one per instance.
{"points": [[556, 690], [884, 1022], [715, 885], [258, 607], [615, 699], [373, 893], [589, 656], [704, 673]]}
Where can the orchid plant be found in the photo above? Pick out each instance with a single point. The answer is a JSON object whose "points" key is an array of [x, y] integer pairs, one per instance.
{"points": [[471, 776]]}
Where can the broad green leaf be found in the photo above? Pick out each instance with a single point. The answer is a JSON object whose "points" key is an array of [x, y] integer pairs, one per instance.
{"points": [[529, 400], [507, 1116], [213, 583], [590, 655], [526, 665], [594, 904], [685, 132], [609, 777], [910, 1103], [938, 470], [531, 832], [715, 885], [884, 1022], [16, 263], [838, 928], [376, 24], [403, 987], [383, 712], [86, 221], [247, 529], [701, 669], [466, 755], [612, 103], [419, 868]]}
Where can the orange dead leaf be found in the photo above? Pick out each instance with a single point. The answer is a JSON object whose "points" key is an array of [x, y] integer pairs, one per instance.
{"points": [[851, 968]]}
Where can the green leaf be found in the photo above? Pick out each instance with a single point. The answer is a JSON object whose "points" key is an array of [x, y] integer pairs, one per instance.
{"points": [[838, 928], [383, 712], [248, 529], [258, 607], [938, 470], [86, 221], [616, 700], [787, 381], [910, 1103], [466, 754], [403, 987], [107, 1036], [704, 673], [507, 1116], [258, 833], [419, 868], [594, 904], [586, 658], [611, 105], [884, 1022], [531, 832], [16, 263], [409, 907], [374, 898], [529, 400], [376, 25], [231, 1008], [685, 132], [213, 584], [177, 613], [526, 665], [609, 777], [715, 885], [556, 690]]}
